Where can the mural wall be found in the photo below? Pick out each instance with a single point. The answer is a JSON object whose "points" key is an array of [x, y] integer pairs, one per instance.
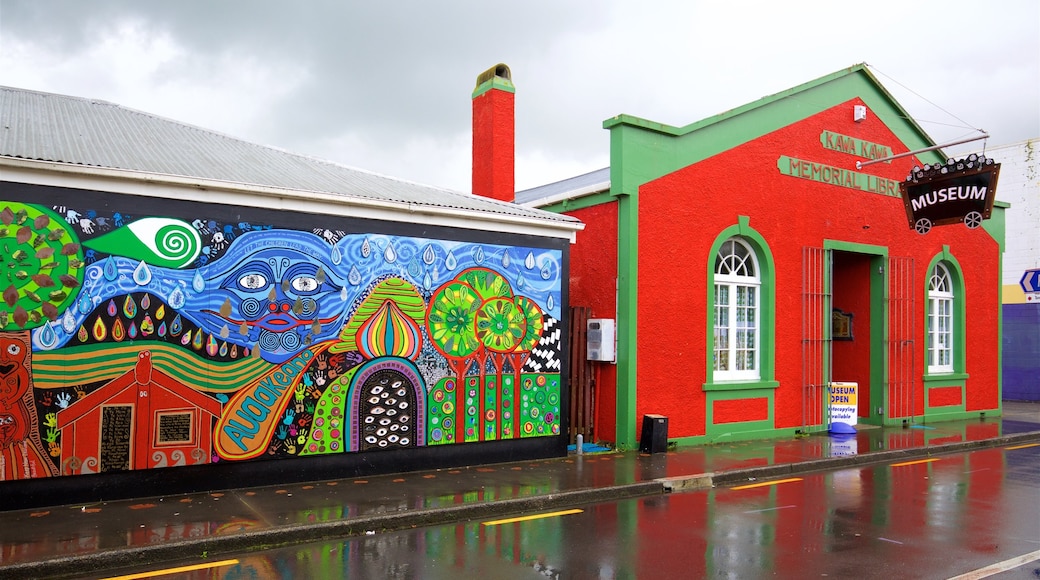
{"points": [[140, 341]]}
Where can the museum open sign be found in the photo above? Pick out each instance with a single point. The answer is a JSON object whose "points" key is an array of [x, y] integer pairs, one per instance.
{"points": [[961, 191]]}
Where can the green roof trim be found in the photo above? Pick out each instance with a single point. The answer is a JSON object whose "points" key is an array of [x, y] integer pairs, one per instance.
{"points": [[639, 144]]}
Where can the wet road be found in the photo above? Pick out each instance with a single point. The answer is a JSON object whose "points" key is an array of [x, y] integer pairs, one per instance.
{"points": [[934, 518]]}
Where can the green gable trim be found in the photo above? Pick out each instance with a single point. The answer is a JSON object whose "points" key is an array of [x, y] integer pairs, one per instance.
{"points": [[651, 150], [495, 83], [580, 202]]}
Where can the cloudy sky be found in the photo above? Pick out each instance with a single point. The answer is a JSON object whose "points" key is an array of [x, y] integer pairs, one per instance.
{"points": [[385, 86]]}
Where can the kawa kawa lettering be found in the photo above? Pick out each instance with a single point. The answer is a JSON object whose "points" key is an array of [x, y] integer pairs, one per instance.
{"points": [[948, 194], [853, 146], [250, 416], [837, 176]]}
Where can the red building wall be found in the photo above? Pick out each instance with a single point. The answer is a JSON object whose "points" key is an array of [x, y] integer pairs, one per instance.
{"points": [[593, 284], [682, 214]]}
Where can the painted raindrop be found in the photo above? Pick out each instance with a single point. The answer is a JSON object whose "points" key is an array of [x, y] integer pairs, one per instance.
{"points": [[529, 261], [197, 283], [84, 304], [414, 269], [162, 329], [354, 277], [129, 306], [427, 281], [142, 274], [112, 308], [550, 303], [366, 249], [478, 255], [176, 298], [450, 262], [429, 255], [389, 254], [337, 256], [68, 322], [47, 337], [110, 270], [132, 332], [118, 331], [520, 282], [506, 261], [146, 301], [147, 326], [176, 326], [546, 271]]}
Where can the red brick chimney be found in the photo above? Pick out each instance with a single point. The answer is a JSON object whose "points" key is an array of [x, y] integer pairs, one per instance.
{"points": [[493, 134]]}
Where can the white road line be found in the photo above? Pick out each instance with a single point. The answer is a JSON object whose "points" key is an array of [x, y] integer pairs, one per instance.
{"points": [[999, 567], [783, 507]]}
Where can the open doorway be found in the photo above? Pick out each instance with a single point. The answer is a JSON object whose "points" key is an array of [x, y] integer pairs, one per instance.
{"points": [[857, 326]]}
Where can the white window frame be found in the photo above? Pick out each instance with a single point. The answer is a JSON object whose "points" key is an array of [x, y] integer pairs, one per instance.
{"points": [[940, 320], [736, 272]]}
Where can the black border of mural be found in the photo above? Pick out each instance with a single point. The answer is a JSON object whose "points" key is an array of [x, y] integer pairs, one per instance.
{"points": [[226, 475]]}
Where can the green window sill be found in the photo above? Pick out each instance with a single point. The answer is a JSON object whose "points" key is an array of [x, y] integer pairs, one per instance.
{"points": [[741, 385]]}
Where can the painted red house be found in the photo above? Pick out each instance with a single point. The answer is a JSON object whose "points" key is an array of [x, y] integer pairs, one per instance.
{"points": [[142, 419], [755, 257]]}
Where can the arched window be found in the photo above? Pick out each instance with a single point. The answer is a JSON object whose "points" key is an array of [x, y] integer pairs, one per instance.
{"points": [[737, 313], [940, 321]]}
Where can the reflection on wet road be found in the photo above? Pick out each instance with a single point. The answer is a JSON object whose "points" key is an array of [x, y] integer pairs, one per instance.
{"points": [[938, 518]]}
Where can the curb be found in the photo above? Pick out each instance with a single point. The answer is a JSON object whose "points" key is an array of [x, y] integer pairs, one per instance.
{"points": [[280, 536]]}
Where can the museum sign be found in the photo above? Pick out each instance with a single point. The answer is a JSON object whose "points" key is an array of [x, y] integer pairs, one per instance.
{"points": [[959, 191]]}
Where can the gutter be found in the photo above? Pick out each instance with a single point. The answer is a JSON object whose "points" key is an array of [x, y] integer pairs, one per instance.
{"points": [[271, 197]]}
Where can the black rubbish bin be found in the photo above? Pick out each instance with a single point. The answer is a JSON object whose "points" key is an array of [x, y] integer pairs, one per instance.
{"points": [[655, 434]]}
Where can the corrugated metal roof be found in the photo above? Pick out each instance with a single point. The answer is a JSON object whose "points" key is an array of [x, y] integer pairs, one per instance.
{"points": [[64, 129], [585, 183]]}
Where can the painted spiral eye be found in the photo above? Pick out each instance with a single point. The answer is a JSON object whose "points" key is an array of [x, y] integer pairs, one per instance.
{"points": [[13, 349], [253, 281], [304, 284]]}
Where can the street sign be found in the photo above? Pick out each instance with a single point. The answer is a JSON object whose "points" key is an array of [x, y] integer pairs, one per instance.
{"points": [[1030, 281]]}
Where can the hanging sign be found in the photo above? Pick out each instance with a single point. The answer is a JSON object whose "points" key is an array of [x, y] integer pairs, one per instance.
{"points": [[959, 191]]}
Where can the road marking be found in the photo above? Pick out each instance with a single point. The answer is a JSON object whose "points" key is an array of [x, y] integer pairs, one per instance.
{"points": [[1023, 446], [999, 567], [535, 517], [166, 571], [765, 483], [915, 462], [783, 507], [892, 541]]}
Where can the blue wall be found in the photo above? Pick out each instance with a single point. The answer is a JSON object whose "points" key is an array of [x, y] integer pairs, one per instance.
{"points": [[1021, 362]]}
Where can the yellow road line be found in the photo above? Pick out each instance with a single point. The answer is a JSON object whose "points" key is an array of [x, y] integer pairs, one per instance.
{"points": [[1023, 446], [535, 517], [765, 483], [914, 462], [166, 571]]}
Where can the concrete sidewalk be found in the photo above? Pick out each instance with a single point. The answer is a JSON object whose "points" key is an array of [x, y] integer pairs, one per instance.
{"points": [[69, 541]]}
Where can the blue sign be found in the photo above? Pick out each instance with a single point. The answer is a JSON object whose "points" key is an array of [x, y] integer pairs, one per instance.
{"points": [[1030, 281]]}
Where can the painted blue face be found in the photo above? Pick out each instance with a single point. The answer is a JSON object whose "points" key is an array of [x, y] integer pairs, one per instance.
{"points": [[277, 291]]}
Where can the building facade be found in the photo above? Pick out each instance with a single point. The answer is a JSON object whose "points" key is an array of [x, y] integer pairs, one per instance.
{"points": [[176, 298], [754, 259]]}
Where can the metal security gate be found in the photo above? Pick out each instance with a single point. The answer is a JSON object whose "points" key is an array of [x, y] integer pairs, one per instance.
{"points": [[816, 338], [901, 333], [581, 377]]}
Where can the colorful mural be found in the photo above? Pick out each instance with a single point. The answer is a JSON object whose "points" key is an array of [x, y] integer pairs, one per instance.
{"points": [[140, 342]]}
